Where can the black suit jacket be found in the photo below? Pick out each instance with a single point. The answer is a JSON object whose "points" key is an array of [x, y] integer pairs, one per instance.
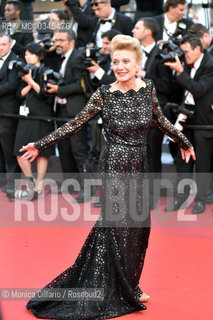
{"points": [[210, 49], [91, 23], [8, 85], [84, 31], [161, 18], [20, 35], [22, 39], [71, 89], [201, 88], [147, 5], [159, 74]]}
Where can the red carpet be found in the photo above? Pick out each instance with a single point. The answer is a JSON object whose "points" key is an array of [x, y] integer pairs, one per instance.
{"points": [[177, 273]]}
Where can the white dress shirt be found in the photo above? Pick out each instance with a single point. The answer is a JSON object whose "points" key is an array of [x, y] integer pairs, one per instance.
{"points": [[169, 28], [63, 65], [2, 59], [62, 72], [103, 28], [146, 49]]}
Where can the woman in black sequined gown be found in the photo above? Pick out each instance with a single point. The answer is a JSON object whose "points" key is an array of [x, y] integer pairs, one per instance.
{"points": [[113, 255]]}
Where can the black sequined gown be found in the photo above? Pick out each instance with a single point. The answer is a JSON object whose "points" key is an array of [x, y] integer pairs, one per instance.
{"points": [[113, 255]]}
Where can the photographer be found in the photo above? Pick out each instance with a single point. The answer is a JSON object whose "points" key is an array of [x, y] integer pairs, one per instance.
{"points": [[105, 18], [34, 103], [101, 72], [70, 100], [80, 10], [12, 13], [172, 21], [207, 41], [198, 97], [204, 35], [146, 30], [8, 104]]}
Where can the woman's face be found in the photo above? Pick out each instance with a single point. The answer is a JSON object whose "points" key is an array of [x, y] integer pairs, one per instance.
{"points": [[125, 65], [31, 58]]}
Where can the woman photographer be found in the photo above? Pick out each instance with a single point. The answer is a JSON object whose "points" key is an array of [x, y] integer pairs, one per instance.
{"points": [[35, 102]]}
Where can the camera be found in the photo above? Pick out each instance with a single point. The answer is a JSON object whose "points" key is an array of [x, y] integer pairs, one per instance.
{"points": [[21, 67], [171, 48], [47, 42], [50, 76], [180, 109], [89, 54], [168, 52]]}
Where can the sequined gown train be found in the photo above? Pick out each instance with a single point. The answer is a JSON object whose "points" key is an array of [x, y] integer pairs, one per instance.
{"points": [[113, 255]]}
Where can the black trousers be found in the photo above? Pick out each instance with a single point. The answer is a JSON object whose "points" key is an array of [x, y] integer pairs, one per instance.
{"points": [[203, 140], [154, 141], [3, 178], [184, 170], [74, 152], [7, 158]]}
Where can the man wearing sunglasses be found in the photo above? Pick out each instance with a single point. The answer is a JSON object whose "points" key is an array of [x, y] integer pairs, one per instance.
{"points": [[105, 19]]}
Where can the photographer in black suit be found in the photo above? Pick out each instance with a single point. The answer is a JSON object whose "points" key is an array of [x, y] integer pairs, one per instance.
{"points": [[70, 101], [172, 21], [146, 30], [105, 19], [8, 104], [204, 35], [207, 41], [79, 10], [102, 73], [198, 97], [99, 73], [21, 37]]}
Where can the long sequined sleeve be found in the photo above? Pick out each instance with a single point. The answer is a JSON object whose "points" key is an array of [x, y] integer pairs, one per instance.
{"points": [[92, 108], [165, 125]]}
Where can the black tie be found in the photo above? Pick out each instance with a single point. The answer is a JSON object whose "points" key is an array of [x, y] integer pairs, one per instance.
{"points": [[105, 20], [146, 53], [62, 58]]}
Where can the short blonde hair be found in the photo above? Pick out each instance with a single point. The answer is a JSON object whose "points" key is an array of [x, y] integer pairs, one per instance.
{"points": [[123, 42]]}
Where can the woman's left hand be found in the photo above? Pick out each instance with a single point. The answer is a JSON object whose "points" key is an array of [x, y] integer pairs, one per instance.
{"points": [[186, 154], [31, 152]]}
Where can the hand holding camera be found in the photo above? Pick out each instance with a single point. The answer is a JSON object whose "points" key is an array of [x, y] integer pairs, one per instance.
{"points": [[176, 65], [28, 78], [52, 88], [21, 67], [94, 67], [51, 81], [48, 43]]}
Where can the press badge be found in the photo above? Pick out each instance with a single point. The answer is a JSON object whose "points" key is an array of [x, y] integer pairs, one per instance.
{"points": [[23, 111]]}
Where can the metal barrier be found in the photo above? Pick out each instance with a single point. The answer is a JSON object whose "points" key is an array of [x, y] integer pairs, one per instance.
{"points": [[18, 116]]}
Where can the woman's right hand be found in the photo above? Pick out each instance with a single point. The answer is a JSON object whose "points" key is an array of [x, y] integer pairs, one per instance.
{"points": [[28, 78], [31, 152]]}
